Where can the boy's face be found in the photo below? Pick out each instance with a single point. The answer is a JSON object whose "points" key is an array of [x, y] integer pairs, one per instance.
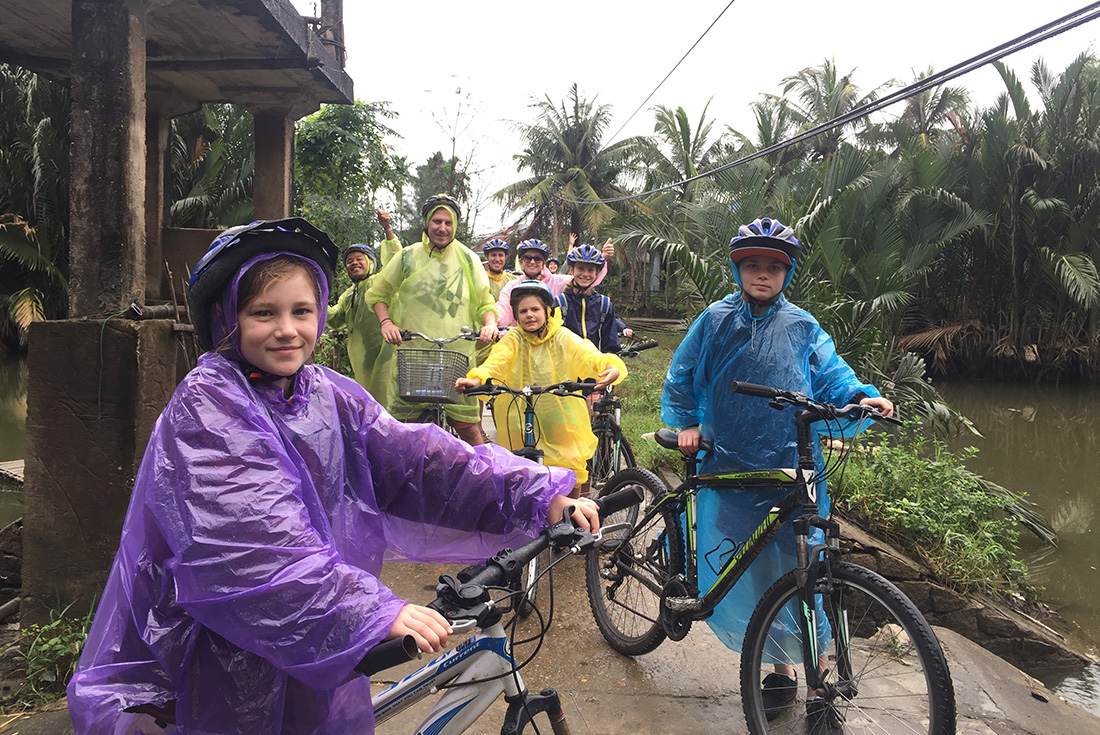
{"points": [[584, 274], [278, 328], [530, 313], [762, 276]]}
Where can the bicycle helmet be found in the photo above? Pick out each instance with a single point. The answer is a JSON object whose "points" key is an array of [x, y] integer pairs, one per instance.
{"points": [[586, 254], [532, 244], [531, 287], [495, 244], [765, 236], [553, 259], [215, 277], [440, 200], [366, 250]]}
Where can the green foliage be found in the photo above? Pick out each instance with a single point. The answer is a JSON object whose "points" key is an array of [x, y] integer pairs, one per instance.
{"points": [[920, 493], [50, 653], [213, 167], [641, 397]]}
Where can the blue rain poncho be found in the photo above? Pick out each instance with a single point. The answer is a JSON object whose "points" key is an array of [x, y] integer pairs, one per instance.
{"points": [[245, 586], [786, 349]]}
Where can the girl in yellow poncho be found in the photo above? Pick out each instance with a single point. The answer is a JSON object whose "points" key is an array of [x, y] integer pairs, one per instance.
{"points": [[542, 352]]}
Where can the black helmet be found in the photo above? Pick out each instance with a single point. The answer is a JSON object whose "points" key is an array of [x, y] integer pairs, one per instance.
{"points": [[236, 245], [440, 200]]}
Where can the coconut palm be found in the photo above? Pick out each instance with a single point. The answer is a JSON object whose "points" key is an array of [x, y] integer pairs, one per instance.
{"points": [[569, 172]]}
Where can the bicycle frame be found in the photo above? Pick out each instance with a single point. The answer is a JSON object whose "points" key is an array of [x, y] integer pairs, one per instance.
{"points": [[472, 676]]}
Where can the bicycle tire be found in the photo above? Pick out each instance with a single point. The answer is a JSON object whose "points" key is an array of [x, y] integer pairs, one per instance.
{"points": [[527, 589], [613, 454], [626, 574], [434, 415], [890, 676]]}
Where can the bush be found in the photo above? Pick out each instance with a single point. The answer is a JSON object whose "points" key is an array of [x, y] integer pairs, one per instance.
{"points": [[914, 489], [50, 653]]}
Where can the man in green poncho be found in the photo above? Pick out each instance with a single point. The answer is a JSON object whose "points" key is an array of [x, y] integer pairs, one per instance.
{"points": [[435, 287], [366, 349]]}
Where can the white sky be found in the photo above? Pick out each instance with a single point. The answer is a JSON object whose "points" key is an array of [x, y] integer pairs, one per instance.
{"points": [[486, 61]]}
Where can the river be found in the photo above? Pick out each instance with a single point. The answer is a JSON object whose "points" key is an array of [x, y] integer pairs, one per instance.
{"points": [[1042, 440]]}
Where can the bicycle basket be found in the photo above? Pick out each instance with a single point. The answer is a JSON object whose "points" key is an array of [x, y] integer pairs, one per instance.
{"points": [[428, 376]]}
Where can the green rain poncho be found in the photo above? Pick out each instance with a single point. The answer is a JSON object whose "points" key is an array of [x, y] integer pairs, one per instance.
{"points": [[521, 358], [435, 293], [367, 352]]}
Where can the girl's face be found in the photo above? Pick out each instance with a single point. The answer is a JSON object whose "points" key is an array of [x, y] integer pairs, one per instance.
{"points": [[531, 314], [278, 328]]}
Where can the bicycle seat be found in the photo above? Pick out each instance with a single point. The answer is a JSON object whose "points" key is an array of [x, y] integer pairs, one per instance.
{"points": [[669, 439]]}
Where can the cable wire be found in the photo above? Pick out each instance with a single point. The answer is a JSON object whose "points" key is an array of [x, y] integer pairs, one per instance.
{"points": [[1042, 33]]}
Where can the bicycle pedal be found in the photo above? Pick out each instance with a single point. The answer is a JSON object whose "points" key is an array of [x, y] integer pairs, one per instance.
{"points": [[684, 604]]}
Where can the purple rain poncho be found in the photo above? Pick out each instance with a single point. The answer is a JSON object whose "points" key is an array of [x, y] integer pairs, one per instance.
{"points": [[245, 588]]}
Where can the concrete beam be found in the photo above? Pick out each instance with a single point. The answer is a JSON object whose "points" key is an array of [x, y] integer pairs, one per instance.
{"points": [[107, 162]]}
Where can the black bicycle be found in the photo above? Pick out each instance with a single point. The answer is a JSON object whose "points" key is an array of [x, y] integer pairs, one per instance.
{"points": [[866, 653], [613, 452]]}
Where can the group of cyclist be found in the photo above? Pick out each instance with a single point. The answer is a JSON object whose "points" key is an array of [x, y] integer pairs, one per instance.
{"points": [[245, 592]]}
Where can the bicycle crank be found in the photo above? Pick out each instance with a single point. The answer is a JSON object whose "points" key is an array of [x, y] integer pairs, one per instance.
{"points": [[678, 608]]}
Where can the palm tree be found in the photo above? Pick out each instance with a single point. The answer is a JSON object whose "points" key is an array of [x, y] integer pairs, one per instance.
{"points": [[569, 172], [34, 201], [213, 166]]}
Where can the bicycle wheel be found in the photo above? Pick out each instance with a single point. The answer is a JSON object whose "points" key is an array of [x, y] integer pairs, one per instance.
{"points": [[527, 586], [885, 670], [612, 454], [626, 573], [438, 416]]}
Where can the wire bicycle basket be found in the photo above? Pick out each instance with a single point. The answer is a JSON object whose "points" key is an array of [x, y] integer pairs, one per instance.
{"points": [[429, 375]]}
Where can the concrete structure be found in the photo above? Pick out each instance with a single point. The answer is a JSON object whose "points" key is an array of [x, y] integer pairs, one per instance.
{"points": [[99, 380]]}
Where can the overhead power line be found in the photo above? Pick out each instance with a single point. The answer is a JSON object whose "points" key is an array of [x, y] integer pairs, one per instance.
{"points": [[1042, 33]]}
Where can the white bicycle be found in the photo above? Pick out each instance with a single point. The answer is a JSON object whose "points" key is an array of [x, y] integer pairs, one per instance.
{"points": [[474, 674]]}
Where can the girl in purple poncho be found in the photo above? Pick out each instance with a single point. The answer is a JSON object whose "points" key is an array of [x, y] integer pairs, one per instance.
{"points": [[244, 592]]}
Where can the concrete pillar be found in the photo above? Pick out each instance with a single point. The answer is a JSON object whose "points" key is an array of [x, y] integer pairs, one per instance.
{"points": [[273, 184], [157, 128], [95, 391], [107, 162]]}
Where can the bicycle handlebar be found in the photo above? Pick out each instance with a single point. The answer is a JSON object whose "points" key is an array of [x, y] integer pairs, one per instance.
{"points": [[466, 334], [497, 572], [564, 388], [801, 400], [633, 350]]}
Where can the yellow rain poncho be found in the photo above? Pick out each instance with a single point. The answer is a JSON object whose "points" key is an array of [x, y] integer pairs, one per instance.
{"points": [[366, 348], [563, 430], [435, 293]]}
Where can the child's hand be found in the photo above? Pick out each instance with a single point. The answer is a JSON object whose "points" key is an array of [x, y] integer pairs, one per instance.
{"points": [[586, 514], [608, 250], [572, 241], [882, 404], [689, 440], [607, 377], [463, 383], [427, 627]]}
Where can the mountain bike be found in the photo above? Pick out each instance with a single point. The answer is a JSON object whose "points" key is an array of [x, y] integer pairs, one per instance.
{"points": [[471, 676], [862, 646], [427, 375], [529, 396], [613, 452]]}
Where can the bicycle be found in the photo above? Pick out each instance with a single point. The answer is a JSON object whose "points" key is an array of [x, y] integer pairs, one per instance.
{"points": [[874, 661], [529, 395], [428, 375], [471, 676], [613, 452]]}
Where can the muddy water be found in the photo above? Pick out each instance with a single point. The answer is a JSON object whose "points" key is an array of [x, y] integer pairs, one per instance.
{"points": [[1045, 441]]}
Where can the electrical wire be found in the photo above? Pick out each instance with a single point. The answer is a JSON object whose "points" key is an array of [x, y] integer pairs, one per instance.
{"points": [[1042, 33]]}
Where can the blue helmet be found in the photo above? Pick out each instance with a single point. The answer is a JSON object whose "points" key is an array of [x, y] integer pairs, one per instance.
{"points": [[366, 250], [553, 259], [536, 245], [765, 236], [531, 287], [495, 244], [586, 254]]}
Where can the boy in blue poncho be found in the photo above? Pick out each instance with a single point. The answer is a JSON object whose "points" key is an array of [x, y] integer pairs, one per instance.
{"points": [[755, 336]]}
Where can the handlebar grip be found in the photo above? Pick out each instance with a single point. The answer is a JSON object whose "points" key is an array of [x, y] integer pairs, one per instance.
{"points": [[388, 654], [406, 335], [647, 345], [620, 500], [751, 389]]}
